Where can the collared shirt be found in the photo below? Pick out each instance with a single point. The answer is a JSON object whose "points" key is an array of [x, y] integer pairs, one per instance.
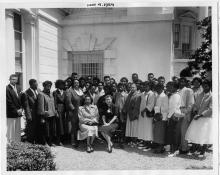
{"points": [[34, 92], [79, 92], [88, 113], [174, 104], [120, 98], [15, 89], [161, 105], [150, 98], [187, 98], [98, 95], [61, 91]]}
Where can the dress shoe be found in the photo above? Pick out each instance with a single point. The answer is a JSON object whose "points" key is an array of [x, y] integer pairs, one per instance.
{"points": [[88, 149], [109, 149], [75, 145], [91, 148]]}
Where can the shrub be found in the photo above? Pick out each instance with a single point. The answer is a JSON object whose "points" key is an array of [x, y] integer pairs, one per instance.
{"points": [[29, 157]]}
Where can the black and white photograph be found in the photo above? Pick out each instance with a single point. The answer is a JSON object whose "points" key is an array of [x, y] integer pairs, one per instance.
{"points": [[110, 86]]}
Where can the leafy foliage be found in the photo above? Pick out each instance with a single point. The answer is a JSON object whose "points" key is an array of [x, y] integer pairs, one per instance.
{"points": [[29, 157], [203, 54]]}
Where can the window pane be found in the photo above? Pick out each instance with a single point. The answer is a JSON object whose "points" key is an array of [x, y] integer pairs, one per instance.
{"points": [[17, 22], [176, 35], [18, 42], [88, 63], [18, 62], [186, 34]]}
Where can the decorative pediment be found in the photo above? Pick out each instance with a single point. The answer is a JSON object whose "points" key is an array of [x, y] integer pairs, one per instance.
{"points": [[87, 42], [189, 15]]}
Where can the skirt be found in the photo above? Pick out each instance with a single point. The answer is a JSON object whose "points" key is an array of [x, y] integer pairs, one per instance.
{"points": [[60, 120], [159, 132], [173, 136], [108, 129], [145, 128], [49, 127], [86, 131], [200, 131], [131, 128]]}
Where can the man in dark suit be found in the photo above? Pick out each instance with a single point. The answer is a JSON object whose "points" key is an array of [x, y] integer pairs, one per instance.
{"points": [[30, 107], [13, 110]]}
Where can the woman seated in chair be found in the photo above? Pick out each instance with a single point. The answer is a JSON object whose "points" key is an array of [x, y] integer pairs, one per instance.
{"points": [[110, 120], [88, 123]]}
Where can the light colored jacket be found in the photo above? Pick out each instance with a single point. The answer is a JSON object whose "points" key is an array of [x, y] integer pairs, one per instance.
{"points": [[187, 101], [203, 104], [88, 113]]}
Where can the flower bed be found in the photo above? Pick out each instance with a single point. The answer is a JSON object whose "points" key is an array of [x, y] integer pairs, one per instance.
{"points": [[29, 157]]}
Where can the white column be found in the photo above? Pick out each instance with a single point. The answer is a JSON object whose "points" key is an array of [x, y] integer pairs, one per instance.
{"points": [[30, 46], [4, 81], [10, 43]]}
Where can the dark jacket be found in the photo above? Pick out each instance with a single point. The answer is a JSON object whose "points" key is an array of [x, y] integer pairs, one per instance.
{"points": [[59, 100], [13, 102], [73, 101], [30, 104], [132, 106]]}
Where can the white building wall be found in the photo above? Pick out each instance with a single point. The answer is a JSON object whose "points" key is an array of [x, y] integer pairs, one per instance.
{"points": [[49, 34], [140, 47]]}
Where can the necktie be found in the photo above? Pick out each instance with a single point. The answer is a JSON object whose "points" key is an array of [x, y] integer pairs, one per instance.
{"points": [[15, 89]]}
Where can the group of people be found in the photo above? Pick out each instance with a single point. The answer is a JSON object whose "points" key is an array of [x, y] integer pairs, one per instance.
{"points": [[148, 114]]}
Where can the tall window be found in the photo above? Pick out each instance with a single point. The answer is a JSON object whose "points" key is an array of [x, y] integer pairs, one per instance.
{"points": [[186, 40], [183, 39], [18, 46], [87, 63]]}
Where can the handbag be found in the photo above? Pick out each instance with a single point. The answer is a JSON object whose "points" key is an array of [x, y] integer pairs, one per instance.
{"points": [[150, 114], [157, 117]]}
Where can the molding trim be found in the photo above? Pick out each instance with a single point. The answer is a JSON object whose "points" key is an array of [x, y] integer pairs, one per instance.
{"points": [[9, 13], [115, 20], [182, 60], [46, 16]]}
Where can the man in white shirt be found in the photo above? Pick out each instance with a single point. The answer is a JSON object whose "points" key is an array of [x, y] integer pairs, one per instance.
{"points": [[174, 114], [161, 109], [187, 101]]}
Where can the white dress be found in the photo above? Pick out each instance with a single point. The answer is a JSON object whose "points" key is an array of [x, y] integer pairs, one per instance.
{"points": [[145, 124], [200, 131], [131, 128]]}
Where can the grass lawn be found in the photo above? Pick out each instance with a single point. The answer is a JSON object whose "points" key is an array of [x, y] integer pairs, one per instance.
{"points": [[123, 159]]}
